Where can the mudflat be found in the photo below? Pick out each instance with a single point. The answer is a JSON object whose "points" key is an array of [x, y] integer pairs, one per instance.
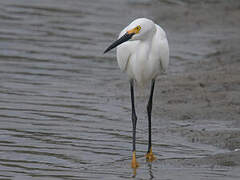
{"points": [[202, 89]]}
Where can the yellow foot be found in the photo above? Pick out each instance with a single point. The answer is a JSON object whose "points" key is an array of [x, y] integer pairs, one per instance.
{"points": [[150, 157], [134, 161]]}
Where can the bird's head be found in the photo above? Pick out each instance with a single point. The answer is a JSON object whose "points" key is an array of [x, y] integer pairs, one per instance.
{"points": [[139, 29]]}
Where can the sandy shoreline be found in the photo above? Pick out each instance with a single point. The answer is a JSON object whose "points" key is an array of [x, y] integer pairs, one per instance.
{"points": [[202, 88]]}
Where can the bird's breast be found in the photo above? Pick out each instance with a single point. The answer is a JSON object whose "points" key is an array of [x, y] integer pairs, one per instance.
{"points": [[142, 65]]}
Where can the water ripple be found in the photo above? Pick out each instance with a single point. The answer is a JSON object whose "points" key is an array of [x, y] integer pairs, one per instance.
{"points": [[63, 109]]}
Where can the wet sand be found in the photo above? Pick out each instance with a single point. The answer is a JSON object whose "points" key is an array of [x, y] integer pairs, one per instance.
{"points": [[204, 95], [199, 98], [65, 106]]}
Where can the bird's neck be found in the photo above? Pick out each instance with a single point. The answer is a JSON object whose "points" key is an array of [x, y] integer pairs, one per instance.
{"points": [[144, 48]]}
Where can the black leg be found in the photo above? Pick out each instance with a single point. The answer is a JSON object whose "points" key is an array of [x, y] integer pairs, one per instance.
{"points": [[134, 124], [134, 116], [149, 111]]}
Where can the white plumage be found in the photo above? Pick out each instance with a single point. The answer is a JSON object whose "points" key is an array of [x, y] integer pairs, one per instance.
{"points": [[145, 55]]}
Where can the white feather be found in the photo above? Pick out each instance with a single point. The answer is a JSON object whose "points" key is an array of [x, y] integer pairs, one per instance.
{"points": [[146, 55], [162, 43]]}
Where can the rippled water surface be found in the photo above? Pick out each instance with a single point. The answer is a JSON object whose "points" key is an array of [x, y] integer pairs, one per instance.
{"points": [[64, 106]]}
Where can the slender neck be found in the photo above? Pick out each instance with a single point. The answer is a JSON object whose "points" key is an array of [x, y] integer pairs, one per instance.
{"points": [[145, 45], [144, 48]]}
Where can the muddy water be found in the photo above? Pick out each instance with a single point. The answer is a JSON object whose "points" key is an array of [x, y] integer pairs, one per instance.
{"points": [[64, 106]]}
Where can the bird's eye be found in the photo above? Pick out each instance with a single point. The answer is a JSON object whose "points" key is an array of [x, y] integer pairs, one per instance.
{"points": [[138, 27]]}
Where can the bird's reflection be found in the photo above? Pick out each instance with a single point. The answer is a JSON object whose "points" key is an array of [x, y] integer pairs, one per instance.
{"points": [[134, 172], [149, 171]]}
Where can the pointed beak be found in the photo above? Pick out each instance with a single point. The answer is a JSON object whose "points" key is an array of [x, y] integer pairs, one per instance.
{"points": [[121, 40]]}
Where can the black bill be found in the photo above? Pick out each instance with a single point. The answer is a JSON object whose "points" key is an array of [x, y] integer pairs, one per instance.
{"points": [[121, 40]]}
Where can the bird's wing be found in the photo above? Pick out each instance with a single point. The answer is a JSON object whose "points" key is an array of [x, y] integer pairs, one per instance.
{"points": [[160, 41], [124, 52]]}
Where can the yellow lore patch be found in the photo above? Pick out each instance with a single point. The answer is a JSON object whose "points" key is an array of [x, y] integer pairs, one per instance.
{"points": [[134, 30]]}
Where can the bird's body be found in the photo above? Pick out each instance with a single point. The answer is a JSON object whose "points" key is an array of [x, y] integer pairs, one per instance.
{"points": [[143, 53], [144, 59]]}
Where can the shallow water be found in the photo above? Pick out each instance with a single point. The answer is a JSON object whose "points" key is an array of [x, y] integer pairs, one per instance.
{"points": [[64, 106]]}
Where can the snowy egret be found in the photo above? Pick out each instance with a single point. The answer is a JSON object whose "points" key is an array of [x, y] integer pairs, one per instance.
{"points": [[143, 53]]}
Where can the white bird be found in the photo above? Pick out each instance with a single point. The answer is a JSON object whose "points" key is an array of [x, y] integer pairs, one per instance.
{"points": [[143, 53]]}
